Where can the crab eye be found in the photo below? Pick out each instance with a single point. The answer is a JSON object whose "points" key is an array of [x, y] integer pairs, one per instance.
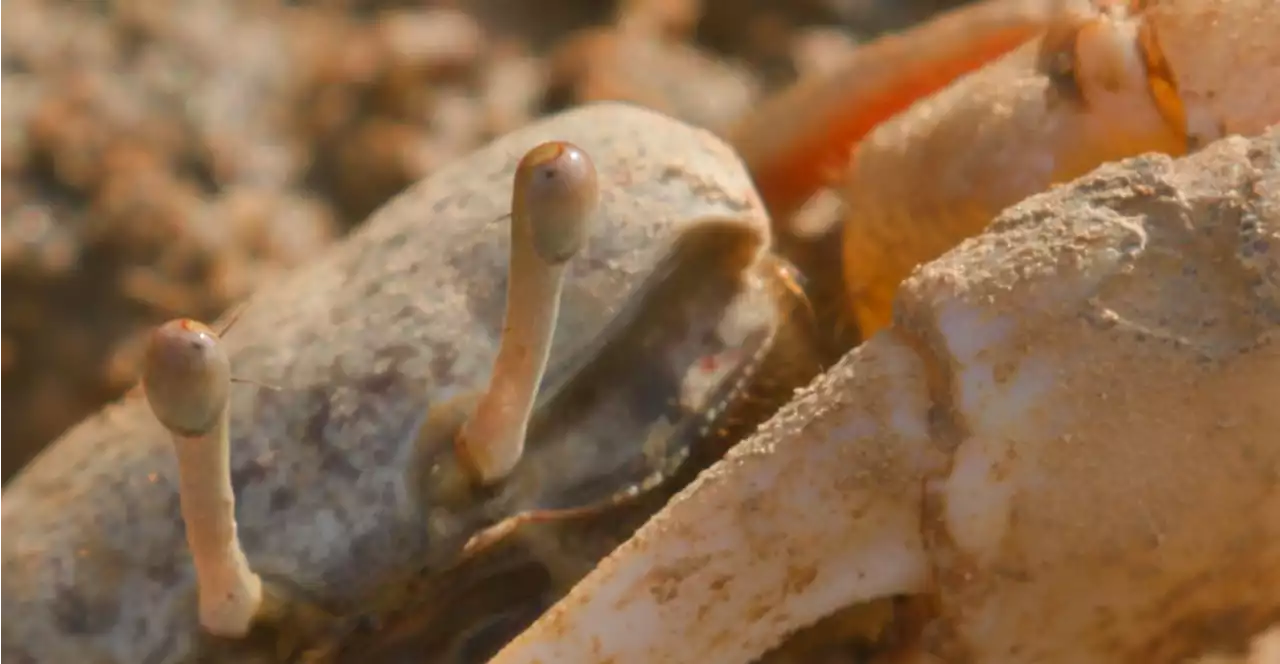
{"points": [[556, 191], [186, 376]]}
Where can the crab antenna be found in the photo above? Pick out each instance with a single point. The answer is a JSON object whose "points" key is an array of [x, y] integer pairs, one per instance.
{"points": [[554, 197], [186, 376]]}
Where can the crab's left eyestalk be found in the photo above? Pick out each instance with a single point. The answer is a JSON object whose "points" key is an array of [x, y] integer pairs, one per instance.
{"points": [[555, 195], [187, 378]]}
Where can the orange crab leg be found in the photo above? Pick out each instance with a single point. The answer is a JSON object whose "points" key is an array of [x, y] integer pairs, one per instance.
{"points": [[800, 140]]}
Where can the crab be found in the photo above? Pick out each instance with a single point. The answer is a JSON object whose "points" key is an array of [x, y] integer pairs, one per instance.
{"points": [[486, 397], [333, 421]]}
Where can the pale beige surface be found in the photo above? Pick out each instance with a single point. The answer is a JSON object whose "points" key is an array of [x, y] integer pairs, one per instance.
{"points": [[1110, 358]]}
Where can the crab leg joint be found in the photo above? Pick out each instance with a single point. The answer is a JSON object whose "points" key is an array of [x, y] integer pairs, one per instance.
{"points": [[186, 378], [554, 197]]}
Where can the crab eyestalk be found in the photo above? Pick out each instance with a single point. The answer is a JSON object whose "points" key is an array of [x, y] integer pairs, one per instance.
{"points": [[187, 377], [554, 197]]}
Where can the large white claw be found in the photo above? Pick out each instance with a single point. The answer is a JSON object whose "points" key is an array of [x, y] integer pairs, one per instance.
{"points": [[819, 511], [1070, 437]]}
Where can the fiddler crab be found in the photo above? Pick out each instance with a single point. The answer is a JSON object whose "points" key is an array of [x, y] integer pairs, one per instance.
{"points": [[619, 411]]}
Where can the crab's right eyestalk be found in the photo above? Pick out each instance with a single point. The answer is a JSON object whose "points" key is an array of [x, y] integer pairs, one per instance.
{"points": [[556, 192], [187, 378]]}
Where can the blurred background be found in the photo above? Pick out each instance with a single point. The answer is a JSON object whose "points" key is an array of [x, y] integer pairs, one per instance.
{"points": [[162, 158]]}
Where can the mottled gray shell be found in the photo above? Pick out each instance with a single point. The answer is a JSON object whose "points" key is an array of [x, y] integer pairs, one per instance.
{"points": [[354, 346]]}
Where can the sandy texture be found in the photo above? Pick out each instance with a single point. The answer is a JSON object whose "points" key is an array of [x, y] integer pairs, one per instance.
{"points": [[1107, 356]]}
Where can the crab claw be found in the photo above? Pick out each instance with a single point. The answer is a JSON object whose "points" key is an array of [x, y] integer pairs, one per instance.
{"points": [[770, 539], [1067, 439]]}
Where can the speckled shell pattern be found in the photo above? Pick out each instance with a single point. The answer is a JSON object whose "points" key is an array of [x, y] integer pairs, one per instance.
{"points": [[345, 356]]}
